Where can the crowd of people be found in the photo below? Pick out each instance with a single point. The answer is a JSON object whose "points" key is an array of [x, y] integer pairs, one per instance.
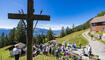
{"points": [[55, 49]]}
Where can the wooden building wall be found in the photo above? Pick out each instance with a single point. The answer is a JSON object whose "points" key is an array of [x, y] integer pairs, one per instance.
{"points": [[98, 28]]}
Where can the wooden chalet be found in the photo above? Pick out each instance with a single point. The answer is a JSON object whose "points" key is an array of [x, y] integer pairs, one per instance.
{"points": [[98, 24]]}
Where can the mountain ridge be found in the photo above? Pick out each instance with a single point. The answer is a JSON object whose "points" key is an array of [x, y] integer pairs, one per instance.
{"points": [[36, 31]]}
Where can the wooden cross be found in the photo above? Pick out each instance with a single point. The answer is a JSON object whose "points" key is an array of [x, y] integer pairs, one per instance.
{"points": [[29, 17]]}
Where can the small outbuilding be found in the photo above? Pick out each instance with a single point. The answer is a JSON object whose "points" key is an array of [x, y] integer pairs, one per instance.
{"points": [[21, 45], [98, 23], [56, 36]]}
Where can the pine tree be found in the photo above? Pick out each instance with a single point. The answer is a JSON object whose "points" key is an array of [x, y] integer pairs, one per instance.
{"points": [[50, 35], [67, 31], [0, 42], [39, 40], [6, 40], [21, 32], [101, 14], [43, 38], [73, 28], [34, 40], [62, 34], [2, 39], [12, 36]]}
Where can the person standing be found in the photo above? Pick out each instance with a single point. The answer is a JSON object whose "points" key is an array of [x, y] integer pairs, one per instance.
{"points": [[65, 44], [80, 45], [74, 45], [16, 52], [47, 48], [41, 47], [63, 48], [50, 49], [89, 50], [68, 44], [83, 51], [57, 53], [91, 37]]}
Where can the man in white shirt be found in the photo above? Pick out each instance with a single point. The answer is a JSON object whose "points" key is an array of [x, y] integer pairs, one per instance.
{"points": [[68, 44], [89, 50], [16, 52]]}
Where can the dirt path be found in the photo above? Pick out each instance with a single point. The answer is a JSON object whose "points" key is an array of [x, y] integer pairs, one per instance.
{"points": [[98, 48]]}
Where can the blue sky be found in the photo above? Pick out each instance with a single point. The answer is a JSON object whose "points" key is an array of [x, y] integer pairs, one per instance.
{"points": [[62, 12]]}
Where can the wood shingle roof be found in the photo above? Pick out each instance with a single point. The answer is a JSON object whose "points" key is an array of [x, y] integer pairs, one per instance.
{"points": [[98, 19]]}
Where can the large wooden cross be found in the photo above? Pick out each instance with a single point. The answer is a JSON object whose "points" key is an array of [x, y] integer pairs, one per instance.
{"points": [[29, 17]]}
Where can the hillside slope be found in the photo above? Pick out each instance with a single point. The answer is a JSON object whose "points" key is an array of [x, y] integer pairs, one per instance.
{"points": [[74, 37]]}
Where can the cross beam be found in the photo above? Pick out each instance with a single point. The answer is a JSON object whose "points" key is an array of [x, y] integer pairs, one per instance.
{"points": [[29, 17], [24, 16]]}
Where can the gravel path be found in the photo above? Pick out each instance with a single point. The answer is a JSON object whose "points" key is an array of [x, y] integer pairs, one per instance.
{"points": [[98, 48]]}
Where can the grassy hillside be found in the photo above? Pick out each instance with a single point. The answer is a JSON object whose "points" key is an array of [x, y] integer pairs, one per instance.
{"points": [[74, 37]]}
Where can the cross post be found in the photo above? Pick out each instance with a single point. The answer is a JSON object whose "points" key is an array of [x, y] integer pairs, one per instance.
{"points": [[30, 11], [29, 17]]}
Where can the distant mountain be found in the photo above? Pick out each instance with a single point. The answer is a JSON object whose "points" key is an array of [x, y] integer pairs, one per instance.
{"points": [[39, 31], [57, 32], [6, 31], [36, 32]]}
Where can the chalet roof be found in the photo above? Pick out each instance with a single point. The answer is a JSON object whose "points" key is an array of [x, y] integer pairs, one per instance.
{"points": [[98, 19], [21, 45]]}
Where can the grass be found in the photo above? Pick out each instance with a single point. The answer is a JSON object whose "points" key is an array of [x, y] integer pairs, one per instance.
{"points": [[74, 37], [4, 54], [47, 58]]}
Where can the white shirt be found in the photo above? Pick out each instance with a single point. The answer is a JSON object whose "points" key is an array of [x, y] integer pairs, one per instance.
{"points": [[16, 51], [89, 48]]}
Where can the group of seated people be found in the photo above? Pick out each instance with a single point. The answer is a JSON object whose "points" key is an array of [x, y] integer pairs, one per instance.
{"points": [[53, 48]]}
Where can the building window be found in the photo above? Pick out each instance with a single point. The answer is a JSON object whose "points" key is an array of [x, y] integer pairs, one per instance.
{"points": [[103, 28], [94, 28], [103, 23], [94, 24], [99, 23]]}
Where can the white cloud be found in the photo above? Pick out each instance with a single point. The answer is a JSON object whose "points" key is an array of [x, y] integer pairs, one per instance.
{"points": [[8, 24], [7, 27], [53, 26], [43, 26]]}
